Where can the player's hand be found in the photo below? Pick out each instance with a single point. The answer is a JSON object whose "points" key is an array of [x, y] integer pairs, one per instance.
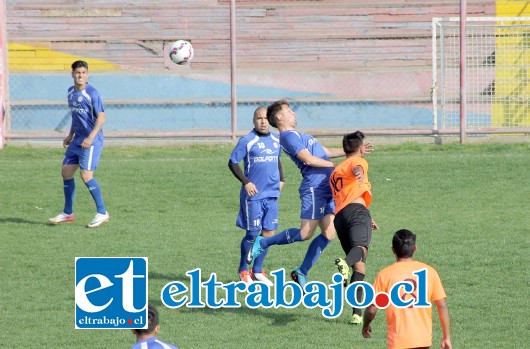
{"points": [[374, 225], [251, 189], [67, 141], [367, 331], [359, 174], [87, 142], [446, 344], [368, 148]]}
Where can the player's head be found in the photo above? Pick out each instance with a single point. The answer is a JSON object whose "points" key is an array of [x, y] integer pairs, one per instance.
{"points": [[80, 73], [353, 142], [152, 324], [79, 64], [261, 123], [404, 243], [273, 110], [280, 111]]}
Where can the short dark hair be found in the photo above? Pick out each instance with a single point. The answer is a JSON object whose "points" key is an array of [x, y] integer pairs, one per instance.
{"points": [[258, 109], [352, 142], [152, 321], [79, 64], [274, 109], [403, 243]]}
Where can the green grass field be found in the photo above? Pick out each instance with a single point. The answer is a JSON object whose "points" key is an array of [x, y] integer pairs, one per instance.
{"points": [[468, 204]]}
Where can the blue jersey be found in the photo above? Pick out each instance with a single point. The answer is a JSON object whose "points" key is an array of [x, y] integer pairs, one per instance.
{"points": [[314, 179], [260, 154], [152, 343], [85, 106]]}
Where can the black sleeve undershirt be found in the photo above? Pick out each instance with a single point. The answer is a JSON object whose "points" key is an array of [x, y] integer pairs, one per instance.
{"points": [[236, 170]]}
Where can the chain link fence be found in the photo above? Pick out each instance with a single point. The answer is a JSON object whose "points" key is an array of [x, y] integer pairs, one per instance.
{"points": [[340, 69]]}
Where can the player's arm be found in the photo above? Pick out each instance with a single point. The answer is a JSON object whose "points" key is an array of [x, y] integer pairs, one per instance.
{"points": [[334, 152], [369, 315], [310, 160], [443, 315], [87, 142], [358, 172], [282, 181], [238, 173], [68, 139]]}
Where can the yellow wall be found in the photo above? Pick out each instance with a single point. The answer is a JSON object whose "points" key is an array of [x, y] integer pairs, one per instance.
{"points": [[512, 76], [28, 57]]}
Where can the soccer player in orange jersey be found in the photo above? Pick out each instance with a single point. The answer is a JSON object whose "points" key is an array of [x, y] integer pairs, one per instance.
{"points": [[409, 327], [353, 222]]}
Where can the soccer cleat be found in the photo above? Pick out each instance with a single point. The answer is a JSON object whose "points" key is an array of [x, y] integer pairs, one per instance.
{"points": [[255, 250], [261, 277], [245, 277], [98, 220], [344, 269], [356, 320], [299, 278], [62, 217]]}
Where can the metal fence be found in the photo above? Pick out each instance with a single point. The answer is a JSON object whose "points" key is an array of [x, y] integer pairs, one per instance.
{"points": [[379, 83], [497, 77], [164, 104], [334, 84]]}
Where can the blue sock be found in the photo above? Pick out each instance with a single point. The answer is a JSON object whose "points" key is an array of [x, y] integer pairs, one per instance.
{"points": [[69, 193], [246, 244], [287, 236], [257, 267], [313, 252], [95, 191]]}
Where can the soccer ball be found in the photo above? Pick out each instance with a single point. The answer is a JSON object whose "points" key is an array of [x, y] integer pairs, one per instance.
{"points": [[181, 52]]}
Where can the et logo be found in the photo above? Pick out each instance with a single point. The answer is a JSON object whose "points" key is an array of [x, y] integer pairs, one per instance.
{"points": [[110, 292]]}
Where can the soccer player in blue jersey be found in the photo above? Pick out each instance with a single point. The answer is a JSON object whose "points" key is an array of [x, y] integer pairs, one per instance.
{"points": [[146, 338], [317, 210], [261, 182], [85, 144]]}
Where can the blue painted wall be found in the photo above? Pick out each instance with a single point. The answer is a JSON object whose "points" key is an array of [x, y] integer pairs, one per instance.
{"points": [[195, 115]]}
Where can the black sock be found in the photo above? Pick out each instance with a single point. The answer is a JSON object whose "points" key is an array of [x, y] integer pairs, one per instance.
{"points": [[359, 293]]}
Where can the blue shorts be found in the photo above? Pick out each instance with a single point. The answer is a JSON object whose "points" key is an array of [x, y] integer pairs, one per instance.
{"points": [[257, 215], [316, 206], [87, 159]]}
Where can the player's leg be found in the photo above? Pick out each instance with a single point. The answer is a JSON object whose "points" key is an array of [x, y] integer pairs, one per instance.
{"points": [[269, 209], [319, 243], [316, 211], [359, 273], [88, 163], [70, 166], [308, 228], [250, 219], [246, 244], [360, 234], [290, 235], [257, 273], [68, 172], [341, 225], [287, 236]]}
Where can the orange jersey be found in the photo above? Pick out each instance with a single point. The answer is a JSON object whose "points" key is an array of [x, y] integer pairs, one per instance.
{"points": [[346, 187], [409, 327]]}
